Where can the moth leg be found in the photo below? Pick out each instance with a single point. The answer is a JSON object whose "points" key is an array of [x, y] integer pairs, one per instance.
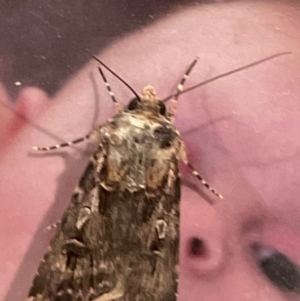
{"points": [[174, 100], [196, 174], [89, 136], [117, 105], [183, 157]]}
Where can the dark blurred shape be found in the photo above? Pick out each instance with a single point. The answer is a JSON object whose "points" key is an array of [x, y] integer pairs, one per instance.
{"points": [[196, 246], [280, 270]]}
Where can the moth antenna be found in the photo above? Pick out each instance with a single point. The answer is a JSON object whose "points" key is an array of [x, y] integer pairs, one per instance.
{"points": [[174, 101], [118, 107], [64, 144], [196, 174], [229, 73], [109, 69], [110, 92]]}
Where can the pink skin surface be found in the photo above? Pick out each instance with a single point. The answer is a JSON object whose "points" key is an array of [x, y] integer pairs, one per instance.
{"points": [[241, 134]]}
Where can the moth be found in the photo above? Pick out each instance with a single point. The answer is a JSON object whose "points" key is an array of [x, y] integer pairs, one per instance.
{"points": [[119, 237]]}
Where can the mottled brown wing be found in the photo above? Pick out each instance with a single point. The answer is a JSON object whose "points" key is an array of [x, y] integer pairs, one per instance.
{"points": [[113, 245]]}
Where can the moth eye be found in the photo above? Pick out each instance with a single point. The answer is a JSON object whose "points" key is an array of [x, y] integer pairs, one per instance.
{"points": [[162, 108], [278, 268], [133, 104]]}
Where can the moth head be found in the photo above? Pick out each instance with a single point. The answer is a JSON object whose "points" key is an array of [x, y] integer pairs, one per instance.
{"points": [[148, 102]]}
